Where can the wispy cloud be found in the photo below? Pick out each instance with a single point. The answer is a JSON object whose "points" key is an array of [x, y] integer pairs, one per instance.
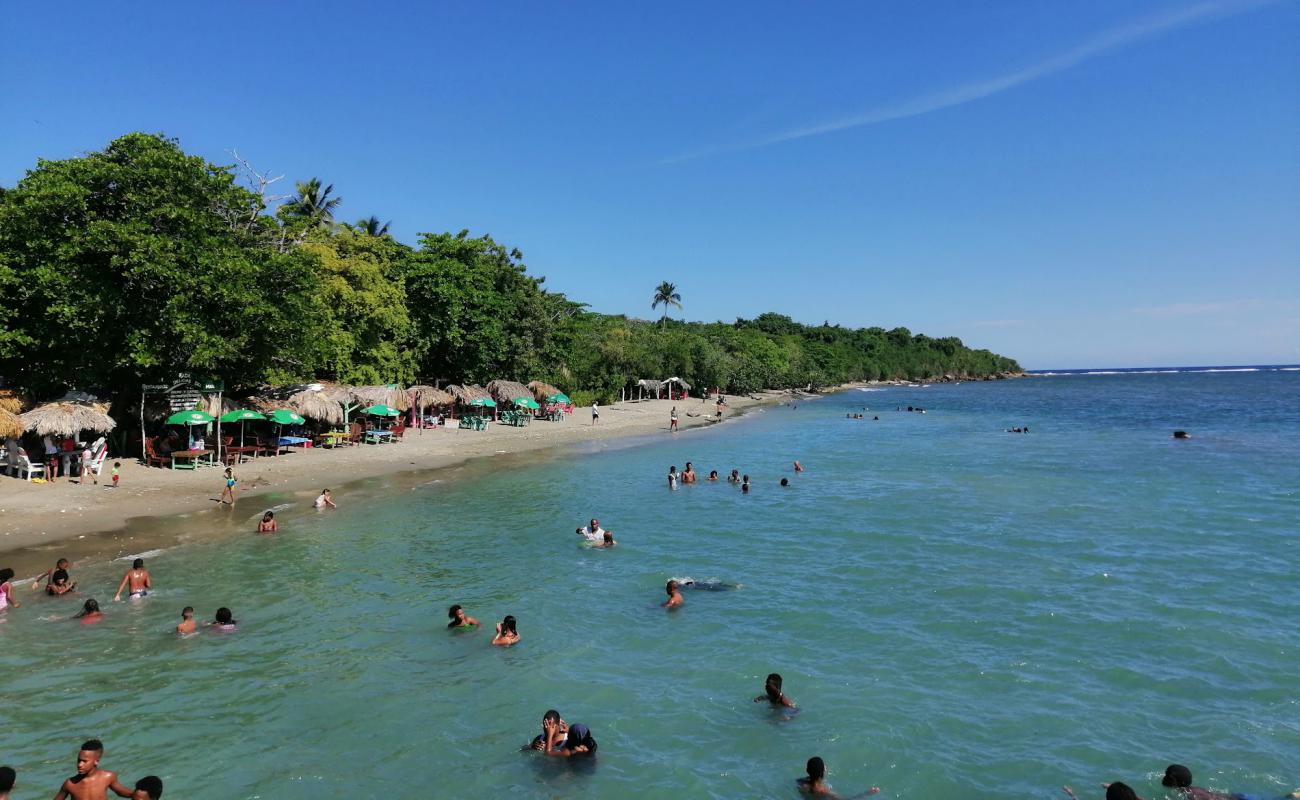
{"points": [[1177, 310], [1118, 37], [997, 323]]}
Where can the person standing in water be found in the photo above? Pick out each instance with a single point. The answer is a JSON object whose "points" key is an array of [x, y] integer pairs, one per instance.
{"points": [[688, 474], [7, 590], [675, 598], [223, 620], [460, 621], [744, 485], [672, 477], [89, 613], [187, 623], [149, 787], [772, 693], [7, 779], [137, 577], [268, 523], [228, 493], [798, 467], [91, 782]]}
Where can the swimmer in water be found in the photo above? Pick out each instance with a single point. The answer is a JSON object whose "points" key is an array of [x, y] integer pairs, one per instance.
{"points": [[48, 577], [672, 477], [89, 613], [772, 693], [798, 467], [607, 540], [785, 481], [734, 477], [7, 590], [268, 523], [713, 475], [1114, 791], [187, 623], [593, 532], [744, 485], [138, 579], [149, 787], [688, 474], [576, 741], [91, 782], [326, 500], [675, 598], [58, 584], [507, 634], [553, 718], [460, 621], [815, 784], [7, 779], [223, 620]]}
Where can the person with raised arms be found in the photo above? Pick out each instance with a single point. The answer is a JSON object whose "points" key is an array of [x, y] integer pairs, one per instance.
{"points": [[507, 632]]}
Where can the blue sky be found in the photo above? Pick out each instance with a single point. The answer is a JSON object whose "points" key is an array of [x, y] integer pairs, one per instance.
{"points": [[1088, 184]]}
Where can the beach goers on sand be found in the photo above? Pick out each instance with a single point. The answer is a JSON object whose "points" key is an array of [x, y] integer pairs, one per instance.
{"points": [[595, 412], [137, 579], [672, 420]]}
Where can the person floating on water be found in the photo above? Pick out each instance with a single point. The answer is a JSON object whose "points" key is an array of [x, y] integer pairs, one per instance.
{"points": [[460, 621], [91, 782], [772, 693], [675, 599], [539, 741], [507, 633], [137, 577], [326, 500], [89, 613], [187, 624], [815, 783]]}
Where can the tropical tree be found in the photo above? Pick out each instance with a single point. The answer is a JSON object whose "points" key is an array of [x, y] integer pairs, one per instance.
{"points": [[371, 226], [666, 295], [313, 206]]}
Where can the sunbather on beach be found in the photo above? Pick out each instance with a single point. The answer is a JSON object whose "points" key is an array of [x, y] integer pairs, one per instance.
{"points": [[137, 577], [91, 782]]}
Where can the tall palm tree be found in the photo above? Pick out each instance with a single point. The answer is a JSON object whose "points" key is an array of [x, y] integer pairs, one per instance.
{"points": [[314, 204], [372, 226], [666, 295]]}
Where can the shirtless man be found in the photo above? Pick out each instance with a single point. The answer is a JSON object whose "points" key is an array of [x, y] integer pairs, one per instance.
{"points": [[675, 598], [137, 577], [91, 782], [187, 623], [48, 576], [688, 475]]}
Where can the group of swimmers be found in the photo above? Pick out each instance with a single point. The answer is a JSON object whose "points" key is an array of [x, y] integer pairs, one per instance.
{"points": [[1178, 778], [92, 782], [507, 630], [688, 476]]}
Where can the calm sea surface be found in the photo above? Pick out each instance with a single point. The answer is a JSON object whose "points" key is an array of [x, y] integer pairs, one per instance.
{"points": [[960, 613]]}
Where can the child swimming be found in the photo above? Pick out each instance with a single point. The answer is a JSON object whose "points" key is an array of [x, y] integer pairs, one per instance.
{"points": [[224, 620], [187, 623], [89, 613], [772, 693]]}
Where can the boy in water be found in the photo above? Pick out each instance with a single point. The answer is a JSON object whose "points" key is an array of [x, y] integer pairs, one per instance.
{"points": [[7, 778], [91, 782], [815, 783], [187, 623], [607, 540], [553, 718], [772, 693], [58, 584], [48, 575], [138, 579], [148, 788], [675, 598]]}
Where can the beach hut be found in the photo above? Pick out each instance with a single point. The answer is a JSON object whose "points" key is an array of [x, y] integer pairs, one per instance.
{"points": [[386, 395], [648, 387], [321, 404], [68, 418], [10, 426], [542, 390], [507, 391], [676, 388], [11, 401], [423, 397]]}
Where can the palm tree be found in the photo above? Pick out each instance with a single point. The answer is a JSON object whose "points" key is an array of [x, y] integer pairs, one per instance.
{"points": [[666, 295], [372, 226], [314, 204]]}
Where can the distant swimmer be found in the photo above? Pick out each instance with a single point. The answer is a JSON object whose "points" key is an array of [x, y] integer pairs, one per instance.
{"points": [[1182, 435], [91, 782], [815, 784], [7, 590], [89, 613], [772, 693], [734, 477], [224, 620], [672, 477], [268, 523], [460, 621], [744, 485], [326, 500], [798, 467], [187, 624], [675, 598], [507, 632], [607, 540], [688, 474], [137, 578], [713, 475], [48, 576], [1114, 791], [785, 481]]}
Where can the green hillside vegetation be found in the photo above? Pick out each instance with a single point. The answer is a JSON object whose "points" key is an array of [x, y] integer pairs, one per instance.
{"points": [[138, 262]]}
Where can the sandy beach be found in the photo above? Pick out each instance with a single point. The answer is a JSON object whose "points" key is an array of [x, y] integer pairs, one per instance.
{"points": [[95, 521]]}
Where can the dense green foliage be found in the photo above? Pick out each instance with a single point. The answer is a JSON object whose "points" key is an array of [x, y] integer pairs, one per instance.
{"points": [[138, 262]]}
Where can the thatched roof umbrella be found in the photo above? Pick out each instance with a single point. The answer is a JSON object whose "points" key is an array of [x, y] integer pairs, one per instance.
{"points": [[68, 419], [543, 390], [468, 393], [392, 396], [423, 396], [505, 391], [11, 401], [10, 426], [317, 405]]}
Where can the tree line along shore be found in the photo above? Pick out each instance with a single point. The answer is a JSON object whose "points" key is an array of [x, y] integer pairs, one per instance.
{"points": [[139, 262]]}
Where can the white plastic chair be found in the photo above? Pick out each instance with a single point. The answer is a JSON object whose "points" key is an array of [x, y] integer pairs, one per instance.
{"points": [[27, 469]]}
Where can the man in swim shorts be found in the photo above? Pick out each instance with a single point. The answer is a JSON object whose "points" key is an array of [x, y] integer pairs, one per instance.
{"points": [[91, 782], [137, 577]]}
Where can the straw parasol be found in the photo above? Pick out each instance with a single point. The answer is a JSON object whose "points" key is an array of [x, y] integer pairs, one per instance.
{"points": [[543, 390], [68, 418], [468, 393], [428, 397], [390, 395], [10, 426], [505, 391], [11, 401], [317, 405]]}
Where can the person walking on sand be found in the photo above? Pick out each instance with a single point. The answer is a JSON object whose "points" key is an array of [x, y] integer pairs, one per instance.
{"points": [[87, 459], [138, 579], [595, 412], [228, 493], [672, 420]]}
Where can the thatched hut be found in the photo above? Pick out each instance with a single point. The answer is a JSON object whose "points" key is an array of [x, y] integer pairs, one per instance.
{"points": [[469, 393], [648, 387], [319, 404], [542, 390], [11, 401], [10, 426], [62, 418], [391, 395], [428, 397], [505, 391]]}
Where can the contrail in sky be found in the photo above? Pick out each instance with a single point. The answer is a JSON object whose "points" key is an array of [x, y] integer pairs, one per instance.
{"points": [[1104, 42]]}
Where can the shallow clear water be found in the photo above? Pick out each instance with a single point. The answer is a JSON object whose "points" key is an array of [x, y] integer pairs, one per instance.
{"points": [[960, 613]]}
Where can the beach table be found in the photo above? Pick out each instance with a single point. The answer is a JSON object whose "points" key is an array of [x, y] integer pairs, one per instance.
{"points": [[194, 458], [294, 441], [335, 438], [378, 437], [240, 452]]}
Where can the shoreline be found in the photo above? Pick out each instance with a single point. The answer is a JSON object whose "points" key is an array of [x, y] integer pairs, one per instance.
{"points": [[99, 523]]}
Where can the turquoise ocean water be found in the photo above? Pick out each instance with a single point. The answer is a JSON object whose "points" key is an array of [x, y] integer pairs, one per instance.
{"points": [[960, 612]]}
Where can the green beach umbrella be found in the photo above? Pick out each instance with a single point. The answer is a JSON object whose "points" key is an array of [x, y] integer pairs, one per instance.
{"points": [[483, 401], [526, 402], [191, 417], [381, 410], [240, 415], [559, 397], [283, 416]]}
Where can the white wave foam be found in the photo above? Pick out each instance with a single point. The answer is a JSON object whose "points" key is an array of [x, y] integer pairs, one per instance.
{"points": [[145, 554]]}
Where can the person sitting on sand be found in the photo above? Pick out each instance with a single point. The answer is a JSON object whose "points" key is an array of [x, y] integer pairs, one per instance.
{"points": [[326, 500], [268, 523], [576, 741], [138, 579], [1114, 791], [223, 620], [734, 477], [507, 634], [187, 623], [7, 590], [815, 784], [713, 475], [89, 613], [772, 693], [551, 718], [149, 787], [91, 782], [593, 532], [688, 474], [460, 621], [675, 598]]}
